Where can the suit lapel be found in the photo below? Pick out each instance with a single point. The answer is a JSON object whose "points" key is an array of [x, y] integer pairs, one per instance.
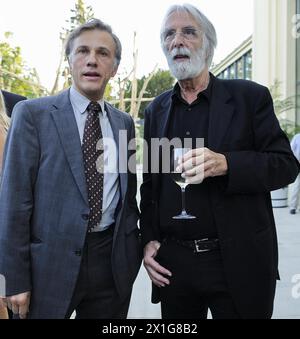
{"points": [[164, 117], [117, 125], [63, 116], [162, 122], [220, 115]]}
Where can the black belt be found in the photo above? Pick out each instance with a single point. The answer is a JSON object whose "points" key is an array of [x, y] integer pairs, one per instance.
{"points": [[198, 246], [108, 230]]}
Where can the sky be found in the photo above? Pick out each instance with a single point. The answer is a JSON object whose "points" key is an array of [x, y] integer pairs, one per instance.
{"points": [[36, 26]]}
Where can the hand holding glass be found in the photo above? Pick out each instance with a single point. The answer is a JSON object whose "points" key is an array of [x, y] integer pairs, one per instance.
{"points": [[177, 154]]}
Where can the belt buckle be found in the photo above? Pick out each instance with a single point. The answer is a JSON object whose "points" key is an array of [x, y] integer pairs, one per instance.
{"points": [[197, 246]]}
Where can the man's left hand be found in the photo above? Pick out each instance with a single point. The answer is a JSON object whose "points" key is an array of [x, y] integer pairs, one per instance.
{"points": [[202, 163]]}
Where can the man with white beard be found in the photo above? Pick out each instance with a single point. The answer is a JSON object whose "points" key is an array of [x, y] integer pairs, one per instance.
{"points": [[221, 252]]}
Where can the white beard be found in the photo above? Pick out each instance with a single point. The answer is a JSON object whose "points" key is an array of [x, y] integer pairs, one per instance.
{"points": [[188, 69]]}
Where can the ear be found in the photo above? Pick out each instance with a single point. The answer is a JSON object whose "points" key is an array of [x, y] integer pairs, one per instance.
{"points": [[114, 71]]}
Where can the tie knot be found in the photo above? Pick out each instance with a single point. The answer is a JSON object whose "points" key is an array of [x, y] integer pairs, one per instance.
{"points": [[94, 107]]}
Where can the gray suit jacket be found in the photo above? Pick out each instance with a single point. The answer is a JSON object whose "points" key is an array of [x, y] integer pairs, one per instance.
{"points": [[44, 203]]}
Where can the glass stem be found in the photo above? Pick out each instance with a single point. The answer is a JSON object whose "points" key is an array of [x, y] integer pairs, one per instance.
{"points": [[183, 200]]}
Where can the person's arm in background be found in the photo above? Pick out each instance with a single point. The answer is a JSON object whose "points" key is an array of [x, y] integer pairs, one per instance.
{"points": [[295, 145], [132, 181]]}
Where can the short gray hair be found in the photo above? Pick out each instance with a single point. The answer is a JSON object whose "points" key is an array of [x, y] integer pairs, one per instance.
{"points": [[90, 26], [209, 32]]}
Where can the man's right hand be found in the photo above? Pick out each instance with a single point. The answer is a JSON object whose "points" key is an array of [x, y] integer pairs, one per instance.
{"points": [[19, 304], [155, 271]]}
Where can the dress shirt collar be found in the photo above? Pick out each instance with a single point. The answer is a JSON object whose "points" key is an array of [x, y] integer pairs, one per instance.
{"points": [[207, 93], [81, 102]]}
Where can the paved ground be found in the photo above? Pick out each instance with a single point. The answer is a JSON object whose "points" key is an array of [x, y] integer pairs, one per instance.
{"points": [[288, 227]]}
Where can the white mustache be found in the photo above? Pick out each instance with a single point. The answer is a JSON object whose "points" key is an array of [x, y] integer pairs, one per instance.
{"points": [[180, 51]]}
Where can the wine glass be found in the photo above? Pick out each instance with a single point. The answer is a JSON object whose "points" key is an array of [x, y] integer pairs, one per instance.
{"points": [[177, 154]]}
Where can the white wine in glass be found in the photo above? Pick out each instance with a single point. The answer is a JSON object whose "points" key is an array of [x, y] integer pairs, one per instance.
{"points": [[177, 154]]}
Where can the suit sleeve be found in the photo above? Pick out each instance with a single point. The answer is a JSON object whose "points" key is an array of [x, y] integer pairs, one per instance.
{"points": [[132, 180], [271, 164], [20, 168], [148, 204]]}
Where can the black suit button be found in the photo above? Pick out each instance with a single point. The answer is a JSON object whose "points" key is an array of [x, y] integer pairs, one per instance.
{"points": [[85, 217], [78, 253]]}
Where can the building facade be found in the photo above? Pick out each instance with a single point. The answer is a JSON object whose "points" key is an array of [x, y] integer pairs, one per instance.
{"points": [[272, 54], [238, 64]]}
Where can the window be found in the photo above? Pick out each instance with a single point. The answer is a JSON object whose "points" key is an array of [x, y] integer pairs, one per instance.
{"points": [[240, 68], [248, 66], [226, 75], [232, 72]]}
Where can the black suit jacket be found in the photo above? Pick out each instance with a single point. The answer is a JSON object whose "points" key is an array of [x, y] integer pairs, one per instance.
{"points": [[10, 100], [242, 126]]}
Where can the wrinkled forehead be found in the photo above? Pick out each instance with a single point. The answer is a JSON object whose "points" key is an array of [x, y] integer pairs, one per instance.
{"points": [[95, 37], [179, 18]]}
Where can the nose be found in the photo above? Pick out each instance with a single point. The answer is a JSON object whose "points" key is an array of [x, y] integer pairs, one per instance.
{"points": [[92, 60], [177, 41]]}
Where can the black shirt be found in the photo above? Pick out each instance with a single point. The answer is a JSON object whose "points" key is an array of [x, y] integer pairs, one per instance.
{"points": [[188, 121]]}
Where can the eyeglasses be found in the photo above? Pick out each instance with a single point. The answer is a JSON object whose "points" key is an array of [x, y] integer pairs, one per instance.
{"points": [[187, 33]]}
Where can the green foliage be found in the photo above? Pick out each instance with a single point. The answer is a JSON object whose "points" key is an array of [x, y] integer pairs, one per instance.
{"points": [[79, 16], [107, 93], [15, 76], [281, 106], [289, 127], [160, 82]]}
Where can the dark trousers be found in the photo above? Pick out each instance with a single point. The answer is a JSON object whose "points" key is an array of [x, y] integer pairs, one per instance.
{"points": [[198, 284], [95, 295]]}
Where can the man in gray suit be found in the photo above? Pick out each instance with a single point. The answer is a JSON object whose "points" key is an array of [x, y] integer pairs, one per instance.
{"points": [[68, 235]]}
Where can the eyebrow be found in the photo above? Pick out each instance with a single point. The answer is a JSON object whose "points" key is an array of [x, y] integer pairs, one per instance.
{"points": [[100, 48], [82, 46], [185, 27]]}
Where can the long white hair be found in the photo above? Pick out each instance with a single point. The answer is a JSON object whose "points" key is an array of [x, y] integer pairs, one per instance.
{"points": [[208, 29]]}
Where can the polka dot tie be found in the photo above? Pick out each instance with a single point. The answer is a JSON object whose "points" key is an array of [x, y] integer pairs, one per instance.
{"points": [[93, 163]]}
